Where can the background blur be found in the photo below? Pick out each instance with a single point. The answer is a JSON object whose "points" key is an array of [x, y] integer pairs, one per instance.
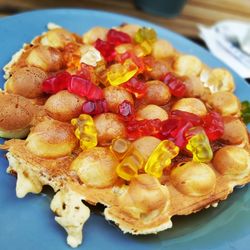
{"points": [[226, 41], [205, 12]]}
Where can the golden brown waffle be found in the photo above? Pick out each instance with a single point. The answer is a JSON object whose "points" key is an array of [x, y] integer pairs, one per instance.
{"points": [[51, 154]]}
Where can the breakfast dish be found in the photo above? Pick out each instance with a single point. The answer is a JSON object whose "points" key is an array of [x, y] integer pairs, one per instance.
{"points": [[120, 117]]}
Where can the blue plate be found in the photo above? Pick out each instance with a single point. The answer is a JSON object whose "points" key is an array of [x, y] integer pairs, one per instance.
{"points": [[28, 224]]}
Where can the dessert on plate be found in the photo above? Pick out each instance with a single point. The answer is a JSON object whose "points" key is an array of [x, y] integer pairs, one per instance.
{"points": [[120, 117]]}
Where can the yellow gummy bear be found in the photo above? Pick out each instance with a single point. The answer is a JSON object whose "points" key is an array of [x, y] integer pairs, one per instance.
{"points": [[199, 145], [119, 73], [143, 49], [129, 166], [145, 34], [161, 158], [147, 48], [145, 37], [85, 131]]}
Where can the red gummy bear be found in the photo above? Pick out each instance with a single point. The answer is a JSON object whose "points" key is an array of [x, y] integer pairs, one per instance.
{"points": [[95, 107], [213, 125], [174, 130], [136, 129], [106, 49], [187, 117], [116, 37], [179, 122], [136, 87], [176, 86], [85, 88], [175, 127], [179, 135], [56, 83], [74, 84]]}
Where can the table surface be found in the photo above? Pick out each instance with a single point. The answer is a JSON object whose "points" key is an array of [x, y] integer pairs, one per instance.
{"points": [[195, 11]]}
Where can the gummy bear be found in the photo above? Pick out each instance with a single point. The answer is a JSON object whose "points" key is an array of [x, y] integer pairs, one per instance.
{"points": [[136, 129], [75, 84], [95, 107], [136, 87], [161, 158], [130, 55], [213, 125], [126, 110], [145, 37], [176, 86], [87, 72], [178, 136], [119, 73], [56, 83], [116, 37], [175, 127], [90, 55], [85, 131], [106, 49], [169, 127], [145, 34], [186, 116], [101, 73], [85, 88], [120, 147], [199, 145], [143, 49], [130, 165]]}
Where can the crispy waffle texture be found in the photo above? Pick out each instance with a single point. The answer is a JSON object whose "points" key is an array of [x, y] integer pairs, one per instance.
{"points": [[51, 153]]}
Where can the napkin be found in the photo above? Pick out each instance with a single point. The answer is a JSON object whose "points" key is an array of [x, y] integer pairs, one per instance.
{"points": [[230, 42]]}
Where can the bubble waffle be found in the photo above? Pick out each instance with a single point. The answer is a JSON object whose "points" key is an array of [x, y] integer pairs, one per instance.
{"points": [[119, 117]]}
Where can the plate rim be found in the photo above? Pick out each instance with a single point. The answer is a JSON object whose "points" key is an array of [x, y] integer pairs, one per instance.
{"points": [[159, 26]]}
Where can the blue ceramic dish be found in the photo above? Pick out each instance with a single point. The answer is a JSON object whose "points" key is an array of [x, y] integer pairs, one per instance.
{"points": [[28, 224]]}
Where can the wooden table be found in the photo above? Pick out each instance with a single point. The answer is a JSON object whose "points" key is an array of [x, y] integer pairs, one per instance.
{"points": [[195, 11]]}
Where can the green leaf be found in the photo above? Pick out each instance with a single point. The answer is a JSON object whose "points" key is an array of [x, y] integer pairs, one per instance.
{"points": [[245, 111]]}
